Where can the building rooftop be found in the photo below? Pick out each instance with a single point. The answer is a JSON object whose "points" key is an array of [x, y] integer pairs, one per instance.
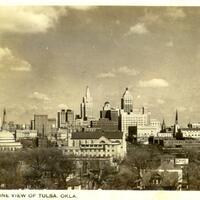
{"points": [[190, 129], [97, 135], [127, 95]]}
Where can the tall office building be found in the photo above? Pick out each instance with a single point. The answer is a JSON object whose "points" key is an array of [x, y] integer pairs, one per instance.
{"points": [[127, 102], [109, 119], [70, 116], [87, 106], [43, 125], [133, 119], [62, 118], [109, 112], [65, 118]]}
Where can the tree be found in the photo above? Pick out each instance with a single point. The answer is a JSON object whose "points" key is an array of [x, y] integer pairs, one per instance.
{"points": [[8, 169], [169, 180], [46, 168]]}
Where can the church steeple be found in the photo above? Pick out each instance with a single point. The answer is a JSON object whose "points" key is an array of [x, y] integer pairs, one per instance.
{"points": [[163, 126], [176, 125], [176, 118]]}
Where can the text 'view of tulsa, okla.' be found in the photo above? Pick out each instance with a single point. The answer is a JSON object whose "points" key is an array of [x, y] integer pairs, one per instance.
{"points": [[137, 127]]}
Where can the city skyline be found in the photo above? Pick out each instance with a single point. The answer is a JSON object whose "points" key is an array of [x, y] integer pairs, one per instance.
{"points": [[49, 54]]}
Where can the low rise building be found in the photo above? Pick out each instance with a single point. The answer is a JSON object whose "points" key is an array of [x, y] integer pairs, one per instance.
{"points": [[190, 133], [25, 134], [97, 144], [141, 134], [168, 175], [7, 142]]}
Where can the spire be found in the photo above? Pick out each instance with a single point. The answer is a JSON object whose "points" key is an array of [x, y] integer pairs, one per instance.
{"points": [[176, 118], [4, 119], [163, 126], [163, 122], [43, 131]]}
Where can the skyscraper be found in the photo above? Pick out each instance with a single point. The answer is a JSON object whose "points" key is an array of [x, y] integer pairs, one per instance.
{"points": [[62, 118], [87, 106], [41, 124], [127, 101], [109, 119], [44, 125], [133, 119], [109, 112], [70, 116]]}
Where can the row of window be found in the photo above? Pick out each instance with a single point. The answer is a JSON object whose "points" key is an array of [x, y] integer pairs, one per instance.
{"points": [[88, 150], [7, 148], [191, 135]]}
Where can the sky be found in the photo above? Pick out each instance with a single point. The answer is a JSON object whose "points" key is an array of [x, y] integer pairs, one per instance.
{"points": [[48, 55]]}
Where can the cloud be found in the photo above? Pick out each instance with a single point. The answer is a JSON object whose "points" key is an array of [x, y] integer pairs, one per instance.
{"points": [[138, 29], [39, 96], [127, 70], [150, 17], [117, 22], [25, 67], [83, 8], [160, 101], [175, 13], [11, 62], [29, 19], [170, 44], [117, 71], [138, 96], [106, 75], [181, 109], [62, 106], [154, 83]]}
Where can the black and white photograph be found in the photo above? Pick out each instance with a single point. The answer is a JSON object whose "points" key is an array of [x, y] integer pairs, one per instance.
{"points": [[100, 98]]}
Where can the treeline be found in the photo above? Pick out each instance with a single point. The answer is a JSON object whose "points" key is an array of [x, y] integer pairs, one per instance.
{"points": [[35, 169]]}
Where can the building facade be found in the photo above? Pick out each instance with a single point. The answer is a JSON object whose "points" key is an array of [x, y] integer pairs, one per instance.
{"points": [[65, 118], [43, 125], [96, 145], [8, 142], [191, 133], [109, 119], [133, 119], [25, 134]]}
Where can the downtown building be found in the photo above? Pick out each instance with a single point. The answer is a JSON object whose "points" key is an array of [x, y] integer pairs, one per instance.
{"points": [[8, 142], [86, 107], [110, 145], [136, 122], [45, 126], [109, 119], [65, 118]]}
